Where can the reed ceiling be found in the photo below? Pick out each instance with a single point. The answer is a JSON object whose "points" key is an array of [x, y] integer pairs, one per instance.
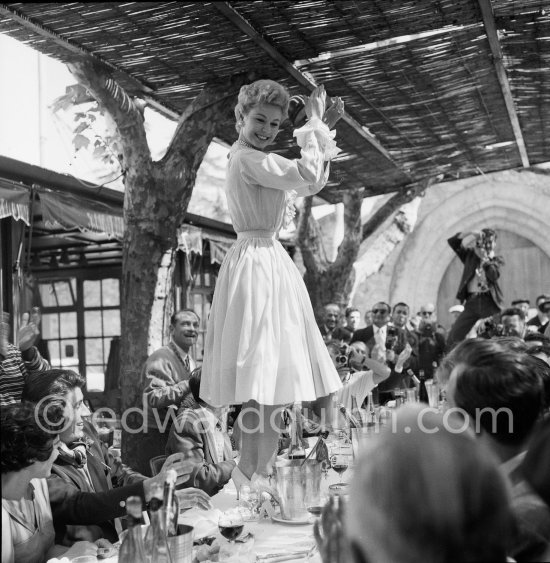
{"points": [[428, 85]]}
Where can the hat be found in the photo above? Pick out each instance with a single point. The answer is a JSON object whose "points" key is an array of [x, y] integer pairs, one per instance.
{"points": [[456, 309]]}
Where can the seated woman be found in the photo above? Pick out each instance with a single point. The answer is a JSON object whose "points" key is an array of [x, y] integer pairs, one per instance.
{"points": [[423, 490], [83, 500], [197, 433], [29, 448]]}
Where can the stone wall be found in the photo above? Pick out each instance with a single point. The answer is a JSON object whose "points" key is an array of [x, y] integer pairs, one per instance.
{"points": [[517, 202]]}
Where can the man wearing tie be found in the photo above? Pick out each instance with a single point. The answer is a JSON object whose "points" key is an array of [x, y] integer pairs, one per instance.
{"points": [[165, 378], [386, 344]]}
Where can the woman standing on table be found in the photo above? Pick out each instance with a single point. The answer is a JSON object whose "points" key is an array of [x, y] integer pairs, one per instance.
{"points": [[263, 347]]}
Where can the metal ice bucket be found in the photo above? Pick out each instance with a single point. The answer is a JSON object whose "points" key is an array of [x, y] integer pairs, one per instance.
{"points": [[298, 485]]}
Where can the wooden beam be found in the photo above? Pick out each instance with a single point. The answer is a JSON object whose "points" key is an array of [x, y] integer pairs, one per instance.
{"points": [[239, 21], [492, 36], [72, 47]]}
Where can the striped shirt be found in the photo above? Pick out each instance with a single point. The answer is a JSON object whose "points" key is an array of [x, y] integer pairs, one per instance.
{"points": [[14, 371]]}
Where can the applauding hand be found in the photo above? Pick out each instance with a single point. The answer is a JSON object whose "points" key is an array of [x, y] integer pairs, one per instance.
{"points": [[315, 104], [29, 330], [334, 113]]}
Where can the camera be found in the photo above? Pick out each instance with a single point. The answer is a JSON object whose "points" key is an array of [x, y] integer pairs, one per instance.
{"points": [[485, 240], [342, 359], [491, 329], [391, 337]]}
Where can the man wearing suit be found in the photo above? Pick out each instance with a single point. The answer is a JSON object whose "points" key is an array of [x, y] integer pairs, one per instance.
{"points": [[165, 378], [479, 287], [330, 329], [386, 344]]}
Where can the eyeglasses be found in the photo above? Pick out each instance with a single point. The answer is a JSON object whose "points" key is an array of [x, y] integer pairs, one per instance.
{"points": [[426, 313], [376, 311]]}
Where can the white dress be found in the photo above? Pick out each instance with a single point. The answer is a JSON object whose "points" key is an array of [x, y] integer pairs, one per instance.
{"points": [[262, 340]]}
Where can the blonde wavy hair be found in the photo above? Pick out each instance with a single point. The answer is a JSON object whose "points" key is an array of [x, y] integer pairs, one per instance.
{"points": [[261, 92]]}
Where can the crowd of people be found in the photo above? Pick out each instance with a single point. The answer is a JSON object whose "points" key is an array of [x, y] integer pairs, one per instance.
{"points": [[466, 484]]}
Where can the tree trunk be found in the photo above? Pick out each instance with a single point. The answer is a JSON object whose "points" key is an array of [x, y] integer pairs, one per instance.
{"points": [[330, 282], [156, 198], [335, 282]]}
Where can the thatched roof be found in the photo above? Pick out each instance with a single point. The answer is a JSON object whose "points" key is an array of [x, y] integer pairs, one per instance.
{"points": [[420, 106]]}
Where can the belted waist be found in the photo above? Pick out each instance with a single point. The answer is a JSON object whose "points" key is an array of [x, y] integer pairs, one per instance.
{"points": [[256, 234]]}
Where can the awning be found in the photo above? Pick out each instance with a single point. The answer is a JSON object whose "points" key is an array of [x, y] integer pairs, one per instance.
{"points": [[14, 201], [191, 238], [69, 211]]}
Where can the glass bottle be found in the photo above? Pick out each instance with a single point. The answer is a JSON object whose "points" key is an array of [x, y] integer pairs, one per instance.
{"points": [[171, 505], [371, 413], [356, 412], [422, 391], [156, 543], [132, 549]]}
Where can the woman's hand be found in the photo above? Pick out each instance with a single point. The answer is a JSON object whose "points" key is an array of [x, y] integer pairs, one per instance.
{"points": [[334, 113], [315, 105], [189, 498]]}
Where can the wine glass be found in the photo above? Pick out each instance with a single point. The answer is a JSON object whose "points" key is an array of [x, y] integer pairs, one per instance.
{"points": [[231, 524], [339, 461]]}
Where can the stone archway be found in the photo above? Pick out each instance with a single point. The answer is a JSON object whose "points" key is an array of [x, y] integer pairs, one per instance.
{"points": [[498, 202]]}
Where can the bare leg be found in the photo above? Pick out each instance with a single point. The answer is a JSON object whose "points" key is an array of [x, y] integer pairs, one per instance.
{"points": [[268, 439], [259, 429], [249, 424]]}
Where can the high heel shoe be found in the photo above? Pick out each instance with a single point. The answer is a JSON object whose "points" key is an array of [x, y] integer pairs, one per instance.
{"points": [[263, 484], [239, 479]]}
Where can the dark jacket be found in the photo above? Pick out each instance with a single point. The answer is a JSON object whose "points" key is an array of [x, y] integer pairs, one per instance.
{"points": [[81, 511], [192, 435], [471, 262], [395, 379]]}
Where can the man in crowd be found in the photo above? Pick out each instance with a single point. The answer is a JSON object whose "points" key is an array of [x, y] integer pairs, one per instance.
{"points": [[479, 286], [165, 378], [523, 304], [502, 394], [330, 329], [17, 362], [540, 320], [353, 318], [454, 312], [400, 319], [388, 345], [431, 340], [513, 322]]}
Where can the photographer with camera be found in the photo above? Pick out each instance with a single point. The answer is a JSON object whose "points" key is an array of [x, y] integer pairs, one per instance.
{"points": [[431, 340], [540, 321], [479, 287], [388, 345]]}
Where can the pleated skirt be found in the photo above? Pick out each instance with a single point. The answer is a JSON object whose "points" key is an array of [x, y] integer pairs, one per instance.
{"points": [[262, 341]]}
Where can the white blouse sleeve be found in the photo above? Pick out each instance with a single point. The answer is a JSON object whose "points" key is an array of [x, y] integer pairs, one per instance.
{"points": [[307, 175]]}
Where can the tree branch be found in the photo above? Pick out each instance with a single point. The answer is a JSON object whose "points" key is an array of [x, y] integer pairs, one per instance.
{"points": [[349, 249], [394, 203], [309, 239], [128, 117]]}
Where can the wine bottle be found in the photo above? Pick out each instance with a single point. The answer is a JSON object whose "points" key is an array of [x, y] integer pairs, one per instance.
{"points": [[296, 450], [132, 549], [171, 505], [422, 391], [156, 543], [371, 413], [350, 420], [356, 412]]}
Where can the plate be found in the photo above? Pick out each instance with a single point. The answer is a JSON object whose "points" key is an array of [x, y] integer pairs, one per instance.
{"points": [[280, 520]]}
